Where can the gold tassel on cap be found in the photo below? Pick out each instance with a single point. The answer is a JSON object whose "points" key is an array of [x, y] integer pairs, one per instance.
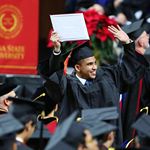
{"points": [[132, 140], [145, 108], [41, 115], [43, 94]]}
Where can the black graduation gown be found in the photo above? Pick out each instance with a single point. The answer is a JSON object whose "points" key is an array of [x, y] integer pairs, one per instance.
{"points": [[138, 97], [22, 146], [145, 98], [71, 95]]}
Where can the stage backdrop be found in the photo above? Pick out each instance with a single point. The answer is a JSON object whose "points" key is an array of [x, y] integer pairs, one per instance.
{"points": [[19, 20]]}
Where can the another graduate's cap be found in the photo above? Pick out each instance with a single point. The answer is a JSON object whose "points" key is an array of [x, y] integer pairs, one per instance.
{"points": [[6, 88], [61, 131], [142, 125], [22, 107], [75, 134], [101, 128], [133, 26], [19, 90], [41, 96], [105, 113], [134, 30], [9, 124]]}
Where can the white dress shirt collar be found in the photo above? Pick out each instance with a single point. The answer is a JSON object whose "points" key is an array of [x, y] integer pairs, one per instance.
{"points": [[81, 79]]}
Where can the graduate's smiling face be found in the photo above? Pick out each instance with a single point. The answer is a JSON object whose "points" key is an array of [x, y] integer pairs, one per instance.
{"points": [[86, 68]]}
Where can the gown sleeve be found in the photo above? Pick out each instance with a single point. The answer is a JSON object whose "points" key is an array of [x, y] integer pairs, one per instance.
{"points": [[56, 83], [130, 69]]}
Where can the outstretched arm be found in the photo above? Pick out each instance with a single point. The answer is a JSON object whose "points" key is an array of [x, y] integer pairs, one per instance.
{"points": [[52, 64], [141, 43], [133, 65], [52, 83]]}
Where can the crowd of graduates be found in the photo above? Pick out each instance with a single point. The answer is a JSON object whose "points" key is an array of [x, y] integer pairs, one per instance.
{"points": [[80, 110], [25, 127]]}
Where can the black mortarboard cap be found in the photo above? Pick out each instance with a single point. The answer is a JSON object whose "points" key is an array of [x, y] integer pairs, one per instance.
{"points": [[28, 84], [71, 50], [133, 26], [81, 52], [22, 107], [101, 128], [75, 134], [133, 30], [8, 124], [6, 88], [41, 95], [105, 113], [19, 90], [142, 125], [61, 131]]}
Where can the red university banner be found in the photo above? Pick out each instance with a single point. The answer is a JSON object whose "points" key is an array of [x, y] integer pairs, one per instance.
{"points": [[19, 20]]}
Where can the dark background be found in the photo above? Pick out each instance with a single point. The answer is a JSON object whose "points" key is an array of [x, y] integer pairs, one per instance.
{"points": [[47, 7]]}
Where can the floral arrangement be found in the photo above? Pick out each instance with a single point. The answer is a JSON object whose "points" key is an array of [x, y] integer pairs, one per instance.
{"points": [[101, 40]]}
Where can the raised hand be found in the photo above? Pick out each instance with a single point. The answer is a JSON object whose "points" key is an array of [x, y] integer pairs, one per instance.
{"points": [[56, 41], [119, 34]]}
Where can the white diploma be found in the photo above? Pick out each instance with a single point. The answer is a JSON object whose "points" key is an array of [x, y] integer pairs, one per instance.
{"points": [[70, 27]]}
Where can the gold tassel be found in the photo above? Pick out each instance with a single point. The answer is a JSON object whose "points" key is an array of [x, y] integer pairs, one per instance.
{"points": [[145, 108]]}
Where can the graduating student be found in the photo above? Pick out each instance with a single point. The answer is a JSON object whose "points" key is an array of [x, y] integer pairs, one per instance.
{"points": [[71, 135], [101, 123], [137, 102], [40, 137], [137, 96], [48, 118], [105, 134], [9, 126], [26, 112], [90, 86]]}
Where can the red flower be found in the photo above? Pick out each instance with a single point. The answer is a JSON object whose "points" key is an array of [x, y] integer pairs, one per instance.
{"points": [[109, 34], [91, 28], [101, 35], [97, 25], [50, 43]]}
